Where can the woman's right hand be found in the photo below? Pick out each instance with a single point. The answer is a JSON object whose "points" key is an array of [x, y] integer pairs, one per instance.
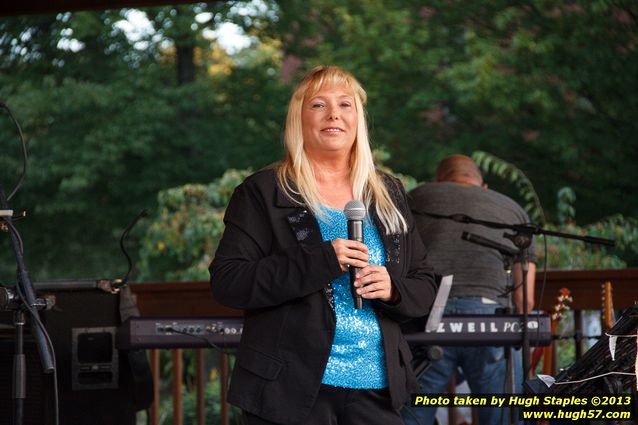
{"points": [[350, 253]]}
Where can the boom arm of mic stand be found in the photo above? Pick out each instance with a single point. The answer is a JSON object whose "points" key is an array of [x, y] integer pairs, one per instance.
{"points": [[524, 228], [587, 239]]}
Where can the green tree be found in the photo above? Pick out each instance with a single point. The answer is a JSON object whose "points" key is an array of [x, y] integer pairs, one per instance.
{"points": [[540, 83], [110, 121], [183, 236], [106, 130]]}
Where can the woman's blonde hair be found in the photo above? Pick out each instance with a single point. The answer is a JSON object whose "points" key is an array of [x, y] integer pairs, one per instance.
{"points": [[295, 173]]}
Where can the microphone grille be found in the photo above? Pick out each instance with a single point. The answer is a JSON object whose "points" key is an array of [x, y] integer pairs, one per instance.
{"points": [[355, 210]]}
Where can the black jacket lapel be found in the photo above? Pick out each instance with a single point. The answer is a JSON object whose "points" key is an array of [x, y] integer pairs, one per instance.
{"points": [[306, 230], [391, 244]]}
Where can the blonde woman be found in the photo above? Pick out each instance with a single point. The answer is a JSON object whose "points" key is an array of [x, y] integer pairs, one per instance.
{"points": [[307, 356]]}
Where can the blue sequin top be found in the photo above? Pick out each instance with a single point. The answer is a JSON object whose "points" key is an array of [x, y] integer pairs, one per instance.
{"points": [[357, 358]]}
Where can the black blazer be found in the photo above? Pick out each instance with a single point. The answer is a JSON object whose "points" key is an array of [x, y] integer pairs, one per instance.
{"points": [[272, 262]]}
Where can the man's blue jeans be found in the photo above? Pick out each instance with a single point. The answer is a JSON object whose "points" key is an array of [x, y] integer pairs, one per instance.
{"points": [[483, 367]]}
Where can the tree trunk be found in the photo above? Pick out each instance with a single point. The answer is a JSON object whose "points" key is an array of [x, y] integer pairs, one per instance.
{"points": [[185, 64]]}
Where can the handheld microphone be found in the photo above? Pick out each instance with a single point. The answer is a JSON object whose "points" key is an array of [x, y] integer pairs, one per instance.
{"points": [[355, 212]]}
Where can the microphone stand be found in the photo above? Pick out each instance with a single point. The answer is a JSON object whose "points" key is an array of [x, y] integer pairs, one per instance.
{"points": [[522, 239], [509, 255], [24, 301]]}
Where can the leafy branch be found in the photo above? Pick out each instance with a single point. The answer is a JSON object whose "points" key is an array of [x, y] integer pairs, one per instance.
{"points": [[492, 164]]}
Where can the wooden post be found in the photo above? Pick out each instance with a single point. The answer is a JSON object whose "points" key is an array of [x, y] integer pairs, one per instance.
{"points": [[578, 332], [155, 371], [451, 390], [223, 378], [178, 373], [201, 386]]}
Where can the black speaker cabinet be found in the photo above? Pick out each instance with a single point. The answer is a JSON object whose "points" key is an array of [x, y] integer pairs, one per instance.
{"points": [[96, 385]]}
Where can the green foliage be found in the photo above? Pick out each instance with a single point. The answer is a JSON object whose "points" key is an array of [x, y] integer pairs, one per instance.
{"points": [[111, 120], [106, 130], [491, 164], [565, 205], [575, 255], [381, 156], [181, 239], [541, 83]]}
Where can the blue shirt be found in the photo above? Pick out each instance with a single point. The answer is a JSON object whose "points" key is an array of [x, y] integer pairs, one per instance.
{"points": [[357, 358]]}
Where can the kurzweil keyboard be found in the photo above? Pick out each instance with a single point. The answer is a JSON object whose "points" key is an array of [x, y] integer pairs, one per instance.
{"points": [[498, 330], [201, 332], [179, 332]]}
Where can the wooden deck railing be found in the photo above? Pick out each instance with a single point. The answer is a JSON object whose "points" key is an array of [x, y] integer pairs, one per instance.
{"points": [[188, 299]]}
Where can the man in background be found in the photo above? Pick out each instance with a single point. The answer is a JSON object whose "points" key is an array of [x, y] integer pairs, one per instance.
{"points": [[480, 284]]}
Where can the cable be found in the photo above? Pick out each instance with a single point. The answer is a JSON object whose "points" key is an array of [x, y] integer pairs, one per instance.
{"points": [[594, 377], [143, 213], [24, 151], [539, 297], [17, 235], [542, 291], [202, 338], [621, 336]]}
